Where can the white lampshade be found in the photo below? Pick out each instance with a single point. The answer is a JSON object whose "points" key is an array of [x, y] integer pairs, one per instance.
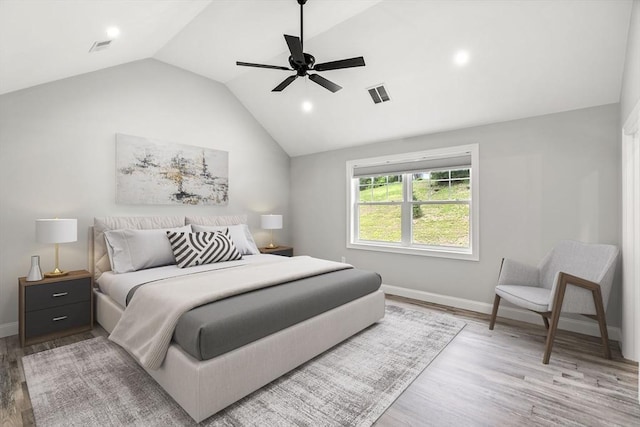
{"points": [[56, 230], [271, 222]]}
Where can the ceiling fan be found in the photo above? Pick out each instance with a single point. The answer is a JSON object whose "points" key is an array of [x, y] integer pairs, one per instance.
{"points": [[302, 63]]}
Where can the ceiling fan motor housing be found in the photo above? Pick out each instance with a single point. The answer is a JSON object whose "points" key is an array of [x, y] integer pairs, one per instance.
{"points": [[302, 69]]}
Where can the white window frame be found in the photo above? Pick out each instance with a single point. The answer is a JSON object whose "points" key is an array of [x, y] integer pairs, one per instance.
{"points": [[472, 253]]}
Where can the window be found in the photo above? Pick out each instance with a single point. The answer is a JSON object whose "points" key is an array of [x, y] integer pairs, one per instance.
{"points": [[423, 203]]}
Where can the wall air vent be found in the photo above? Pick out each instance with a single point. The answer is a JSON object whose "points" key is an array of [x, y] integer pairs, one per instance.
{"points": [[100, 46], [379, 94]]}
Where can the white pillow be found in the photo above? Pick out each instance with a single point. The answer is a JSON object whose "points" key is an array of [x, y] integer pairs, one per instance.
{"points": [[240, 235], [133, 250]]}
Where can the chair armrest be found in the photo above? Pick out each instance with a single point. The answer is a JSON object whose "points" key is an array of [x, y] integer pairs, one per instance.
{"points": [[577, 281], [577, 298], [517, 273]]}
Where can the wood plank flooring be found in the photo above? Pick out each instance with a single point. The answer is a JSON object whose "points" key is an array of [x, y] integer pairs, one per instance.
{"points": [[482, 378], [496, 378]]}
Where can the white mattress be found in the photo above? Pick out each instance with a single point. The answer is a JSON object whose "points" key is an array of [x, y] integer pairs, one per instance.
{"points": [[118, 286]]}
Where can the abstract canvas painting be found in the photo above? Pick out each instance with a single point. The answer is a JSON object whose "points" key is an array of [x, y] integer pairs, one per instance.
{"points": [[153, 172]]}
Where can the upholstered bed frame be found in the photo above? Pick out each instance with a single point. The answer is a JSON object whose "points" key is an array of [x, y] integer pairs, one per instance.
{"points": [[205, 387]]}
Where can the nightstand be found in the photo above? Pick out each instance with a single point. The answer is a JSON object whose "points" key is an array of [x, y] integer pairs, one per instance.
{"points": [[55, 307], [280, 250]]}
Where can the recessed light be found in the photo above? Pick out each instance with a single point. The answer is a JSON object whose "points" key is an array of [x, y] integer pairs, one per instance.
{"points": [[307, 106], [113, 32], [461, 57]]}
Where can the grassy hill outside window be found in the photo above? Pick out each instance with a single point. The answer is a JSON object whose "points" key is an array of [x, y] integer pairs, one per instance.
{"points": [[422, 203]]}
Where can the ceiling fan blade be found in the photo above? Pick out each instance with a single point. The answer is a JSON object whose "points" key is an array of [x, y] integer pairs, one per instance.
{"points": [[327, 84], [286, 82], [249, 64], [343, 63], [295, 47]]}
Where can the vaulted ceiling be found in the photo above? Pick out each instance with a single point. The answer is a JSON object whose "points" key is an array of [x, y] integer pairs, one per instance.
{"points": [[526, 58]]}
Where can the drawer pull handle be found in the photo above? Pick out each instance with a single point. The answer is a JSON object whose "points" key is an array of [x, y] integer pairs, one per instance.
{"points": [[56, 319], [61, 294]]}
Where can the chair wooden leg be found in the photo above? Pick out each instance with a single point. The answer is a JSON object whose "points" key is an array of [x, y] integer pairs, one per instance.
{"points": [[602, 321], [551, 335], [494, 313], [555, 318], [546, 321]]}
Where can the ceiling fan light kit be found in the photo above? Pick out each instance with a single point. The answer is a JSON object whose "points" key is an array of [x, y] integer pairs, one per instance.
{"points": [[302, 63]]}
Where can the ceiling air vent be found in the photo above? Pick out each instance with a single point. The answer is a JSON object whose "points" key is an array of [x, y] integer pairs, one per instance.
{"points": [[379, 94], [100, 46]]}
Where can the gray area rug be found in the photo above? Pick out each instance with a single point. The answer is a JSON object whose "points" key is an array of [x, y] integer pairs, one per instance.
{"points": [[96, 383]]}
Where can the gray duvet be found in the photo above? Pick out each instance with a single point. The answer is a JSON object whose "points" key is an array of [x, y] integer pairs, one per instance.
{"points": [[222, 326]]}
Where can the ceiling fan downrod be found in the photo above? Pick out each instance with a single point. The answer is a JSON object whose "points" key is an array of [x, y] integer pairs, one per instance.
{"points": [[301, 3]]}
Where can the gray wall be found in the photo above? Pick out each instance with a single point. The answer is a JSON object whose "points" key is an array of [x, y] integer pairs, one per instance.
{"points": [[630, 94], [542, 179], [57, 157]]}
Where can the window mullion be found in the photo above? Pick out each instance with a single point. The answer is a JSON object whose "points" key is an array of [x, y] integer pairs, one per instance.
{"points": [[406, 209], [355, 210]]}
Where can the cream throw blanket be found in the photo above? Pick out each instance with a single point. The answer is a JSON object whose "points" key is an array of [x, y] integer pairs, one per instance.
{"points": [[147, 324]]}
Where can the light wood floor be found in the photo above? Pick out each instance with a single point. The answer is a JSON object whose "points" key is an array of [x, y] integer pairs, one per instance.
{"points": [[482, 378]]}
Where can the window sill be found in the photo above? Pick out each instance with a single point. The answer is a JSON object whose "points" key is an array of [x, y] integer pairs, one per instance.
{"points": [[452, 253]]}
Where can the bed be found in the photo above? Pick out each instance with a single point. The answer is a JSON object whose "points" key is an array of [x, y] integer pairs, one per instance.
{"points": [[205, 378]]}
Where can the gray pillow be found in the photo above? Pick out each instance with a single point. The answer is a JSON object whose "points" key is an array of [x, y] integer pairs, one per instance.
{"points": [[133, 250]]}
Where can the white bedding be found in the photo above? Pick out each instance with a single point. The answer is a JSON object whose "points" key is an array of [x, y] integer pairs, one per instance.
{"points": [[117, 286], [147, 324]]}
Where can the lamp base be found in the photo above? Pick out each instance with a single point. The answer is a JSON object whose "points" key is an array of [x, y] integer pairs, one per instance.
{"points": [[56, 273], [271, 246]]}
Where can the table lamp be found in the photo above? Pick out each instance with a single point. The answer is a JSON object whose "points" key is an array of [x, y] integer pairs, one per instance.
{"points": [[56, 231], [271, 222]]}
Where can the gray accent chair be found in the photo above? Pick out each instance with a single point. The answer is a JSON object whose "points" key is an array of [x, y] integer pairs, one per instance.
{"points": [[574, 277]]}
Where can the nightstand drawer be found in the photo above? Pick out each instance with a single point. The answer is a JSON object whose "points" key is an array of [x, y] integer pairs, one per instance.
{"points": [[56, 294], [57, 319]]}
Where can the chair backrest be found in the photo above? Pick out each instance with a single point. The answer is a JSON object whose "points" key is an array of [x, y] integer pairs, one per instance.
{"points": [[594, 262]]}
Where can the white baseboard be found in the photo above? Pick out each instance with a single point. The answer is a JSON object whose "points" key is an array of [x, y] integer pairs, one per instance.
{"points": [[8, 329], [574, 325]]}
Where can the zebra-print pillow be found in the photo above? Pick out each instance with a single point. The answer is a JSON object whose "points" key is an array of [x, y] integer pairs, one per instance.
{"points": [[202, 248]]}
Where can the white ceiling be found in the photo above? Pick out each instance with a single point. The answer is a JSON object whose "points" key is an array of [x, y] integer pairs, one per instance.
{"points": [[527, 57], [46, 40]]}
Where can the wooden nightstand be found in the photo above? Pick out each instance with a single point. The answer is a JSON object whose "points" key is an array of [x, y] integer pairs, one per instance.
{"points": [[280, 250], [55, 307]]}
